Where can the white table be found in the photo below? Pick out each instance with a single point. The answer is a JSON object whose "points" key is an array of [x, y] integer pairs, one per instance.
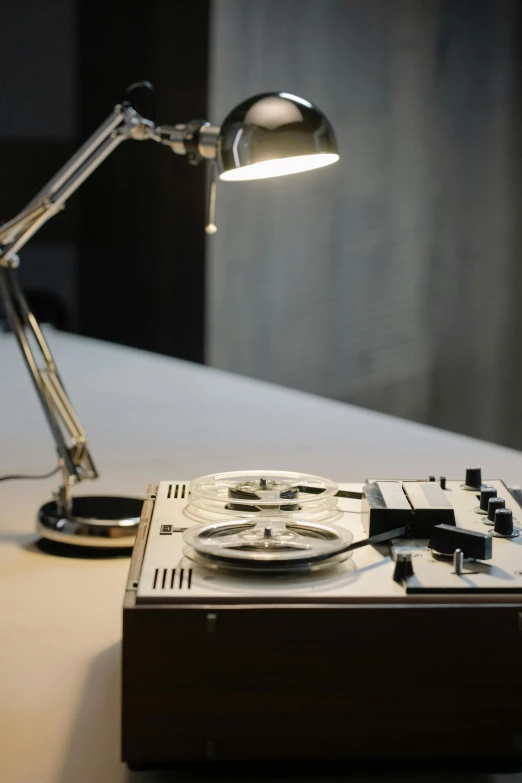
{"points": [[150, 418]]}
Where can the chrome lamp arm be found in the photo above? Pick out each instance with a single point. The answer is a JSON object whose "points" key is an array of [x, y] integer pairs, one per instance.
{"points": [[124, 123], [71, 442]]}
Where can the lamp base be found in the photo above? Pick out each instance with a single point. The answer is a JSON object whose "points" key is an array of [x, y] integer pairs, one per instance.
{"points": [[103, 523]]}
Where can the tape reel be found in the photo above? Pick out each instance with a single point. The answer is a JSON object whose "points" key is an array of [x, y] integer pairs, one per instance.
{"points": [[257, 490], [269, 543], [265, 520]]}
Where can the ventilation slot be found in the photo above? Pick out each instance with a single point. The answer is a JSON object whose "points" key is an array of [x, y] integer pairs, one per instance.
{"points": [[172, 579], [176, 491]]}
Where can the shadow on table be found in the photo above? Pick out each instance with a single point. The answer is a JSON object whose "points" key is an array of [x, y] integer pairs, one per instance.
{"points": [[93, 752], [24, 540]]}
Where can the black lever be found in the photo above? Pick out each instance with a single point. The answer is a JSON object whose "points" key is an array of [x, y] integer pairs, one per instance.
{"points": [[342, 493]]}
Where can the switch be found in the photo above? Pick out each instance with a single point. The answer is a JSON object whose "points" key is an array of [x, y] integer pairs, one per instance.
{"points": [[458, 561], [403, 567]]}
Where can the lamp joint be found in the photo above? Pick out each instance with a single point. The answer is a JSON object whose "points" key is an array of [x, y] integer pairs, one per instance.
{"points": [[135, 126]]}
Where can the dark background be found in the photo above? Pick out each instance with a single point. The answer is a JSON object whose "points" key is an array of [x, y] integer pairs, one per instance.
{"points": [[118, 262]]}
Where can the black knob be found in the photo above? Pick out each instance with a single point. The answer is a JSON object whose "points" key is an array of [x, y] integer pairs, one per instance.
{"points": [[473, 477], [485, 494], [504, 521], [494, 504], [442, 482], [403, 567]]}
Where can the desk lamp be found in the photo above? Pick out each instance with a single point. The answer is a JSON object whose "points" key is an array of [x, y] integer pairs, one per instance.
{"points": [[269, 135]]}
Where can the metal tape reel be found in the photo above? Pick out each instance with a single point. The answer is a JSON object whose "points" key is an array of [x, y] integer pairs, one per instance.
{"points": [[268, 542], [263, 488]]}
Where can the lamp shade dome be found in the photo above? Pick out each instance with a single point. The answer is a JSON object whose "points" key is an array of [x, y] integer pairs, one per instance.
{"points": [[274, 134]]}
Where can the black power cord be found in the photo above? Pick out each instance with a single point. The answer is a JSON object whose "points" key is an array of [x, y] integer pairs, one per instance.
{"points": [[19, 477]]}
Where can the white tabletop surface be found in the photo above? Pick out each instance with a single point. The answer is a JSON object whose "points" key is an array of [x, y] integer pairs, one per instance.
{"points": [[151, 418]]}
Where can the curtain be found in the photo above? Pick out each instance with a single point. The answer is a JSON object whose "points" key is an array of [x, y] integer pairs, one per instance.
{"points": [[390, 280]]}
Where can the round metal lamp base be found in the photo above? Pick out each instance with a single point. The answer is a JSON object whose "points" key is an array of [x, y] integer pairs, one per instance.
{"points": [[91, 523]]}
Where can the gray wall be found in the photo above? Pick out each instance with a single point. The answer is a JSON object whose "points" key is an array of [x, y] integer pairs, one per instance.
{"points": [[388, 279]]}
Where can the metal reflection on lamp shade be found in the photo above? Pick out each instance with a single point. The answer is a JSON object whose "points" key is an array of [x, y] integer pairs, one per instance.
{"points": [[274, 134]]}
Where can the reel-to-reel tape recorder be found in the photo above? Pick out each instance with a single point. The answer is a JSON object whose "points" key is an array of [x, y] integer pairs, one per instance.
{"points": [[278, 615]]}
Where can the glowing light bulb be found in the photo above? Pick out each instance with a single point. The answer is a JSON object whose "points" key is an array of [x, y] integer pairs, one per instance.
{"points": [[279, 167]]}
